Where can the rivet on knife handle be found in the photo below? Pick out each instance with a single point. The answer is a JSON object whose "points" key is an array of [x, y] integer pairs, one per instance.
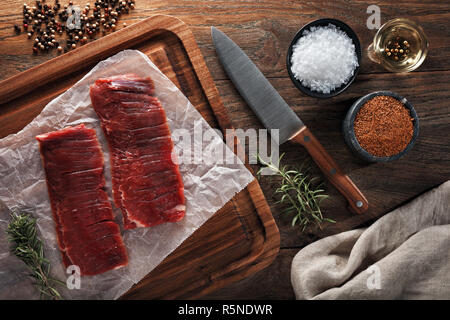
{"points": [[357, 202]]}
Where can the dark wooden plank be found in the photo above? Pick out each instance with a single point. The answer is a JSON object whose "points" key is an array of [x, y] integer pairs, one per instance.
{"points": [[387, 185], [264, 29], [272, 283]]}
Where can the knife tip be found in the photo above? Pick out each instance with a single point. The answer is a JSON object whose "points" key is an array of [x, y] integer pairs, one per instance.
{"points": [[214, 32]]}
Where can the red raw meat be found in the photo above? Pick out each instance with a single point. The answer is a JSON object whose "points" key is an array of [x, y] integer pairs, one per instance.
{"points": [[147, 185], [87, 234]]}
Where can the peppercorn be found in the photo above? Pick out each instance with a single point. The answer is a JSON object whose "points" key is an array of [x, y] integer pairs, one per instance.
{"points": [[53, 19], [397, 50]]}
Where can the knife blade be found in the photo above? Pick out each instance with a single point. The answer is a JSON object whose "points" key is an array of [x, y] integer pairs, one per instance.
{"points": [[275, 113], [260, 95]]}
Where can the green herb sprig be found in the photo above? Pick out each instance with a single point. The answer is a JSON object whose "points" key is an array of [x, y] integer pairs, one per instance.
{"points": [[26, 245], [300, 192]]}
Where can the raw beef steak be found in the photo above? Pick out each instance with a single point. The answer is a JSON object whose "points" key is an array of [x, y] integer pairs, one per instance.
{"points": [[147, 185], [87, 234]]}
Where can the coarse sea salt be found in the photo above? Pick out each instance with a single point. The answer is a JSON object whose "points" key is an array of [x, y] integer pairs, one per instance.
{"points": [[324, 58]]}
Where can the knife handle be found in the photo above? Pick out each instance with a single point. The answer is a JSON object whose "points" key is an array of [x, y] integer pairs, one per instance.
{"points": [[357, 202]]}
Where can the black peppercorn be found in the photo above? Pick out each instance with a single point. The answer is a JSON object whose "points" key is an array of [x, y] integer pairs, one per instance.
{"points": [[45, 20]]}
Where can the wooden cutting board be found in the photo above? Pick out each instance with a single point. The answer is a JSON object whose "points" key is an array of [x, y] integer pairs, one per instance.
{"points": [[242, 237]]}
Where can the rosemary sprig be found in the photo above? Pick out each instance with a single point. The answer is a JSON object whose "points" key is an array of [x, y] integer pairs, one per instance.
{"points": [[26, 245], [300, 193]]}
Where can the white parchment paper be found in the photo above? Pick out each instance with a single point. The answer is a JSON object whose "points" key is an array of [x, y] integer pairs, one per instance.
{"points": [[208, 185]]}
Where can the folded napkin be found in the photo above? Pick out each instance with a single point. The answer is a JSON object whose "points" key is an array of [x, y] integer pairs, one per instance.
{"points": [[403, 255]]}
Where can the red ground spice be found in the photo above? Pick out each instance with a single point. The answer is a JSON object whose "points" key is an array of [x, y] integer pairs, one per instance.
{"points": [[383, 126]]}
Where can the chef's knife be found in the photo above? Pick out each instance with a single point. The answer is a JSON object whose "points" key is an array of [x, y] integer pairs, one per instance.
{"points": [[275, 113]]}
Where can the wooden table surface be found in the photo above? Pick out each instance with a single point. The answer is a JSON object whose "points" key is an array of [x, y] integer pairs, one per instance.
{"points": [[264, 29]]}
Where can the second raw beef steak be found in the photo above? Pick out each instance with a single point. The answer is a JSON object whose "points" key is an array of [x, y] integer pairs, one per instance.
{"points": [[147, 185]]}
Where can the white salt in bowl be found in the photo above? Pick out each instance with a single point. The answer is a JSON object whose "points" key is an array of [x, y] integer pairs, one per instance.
{"points": [[323, 23]]}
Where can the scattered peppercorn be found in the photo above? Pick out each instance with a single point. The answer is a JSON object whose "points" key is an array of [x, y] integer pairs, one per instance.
{"points": [[46, 21], [383, 126]]}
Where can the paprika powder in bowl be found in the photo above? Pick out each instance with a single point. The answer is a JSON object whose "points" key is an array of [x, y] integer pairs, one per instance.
{"points": [[381, 126]]}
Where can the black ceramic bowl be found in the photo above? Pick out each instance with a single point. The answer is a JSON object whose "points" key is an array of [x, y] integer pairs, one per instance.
{"points": [[324, 22], [349, 133]]}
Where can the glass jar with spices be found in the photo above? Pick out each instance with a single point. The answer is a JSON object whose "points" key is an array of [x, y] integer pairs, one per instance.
{"points": [[400, 45]]}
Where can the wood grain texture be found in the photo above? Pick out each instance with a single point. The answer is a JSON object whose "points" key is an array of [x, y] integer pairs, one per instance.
{"points": [[264, 29], [272, 283], [242, 236]]}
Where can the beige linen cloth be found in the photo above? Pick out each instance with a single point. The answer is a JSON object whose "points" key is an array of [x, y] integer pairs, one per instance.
{"points": [[403, 255]]}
